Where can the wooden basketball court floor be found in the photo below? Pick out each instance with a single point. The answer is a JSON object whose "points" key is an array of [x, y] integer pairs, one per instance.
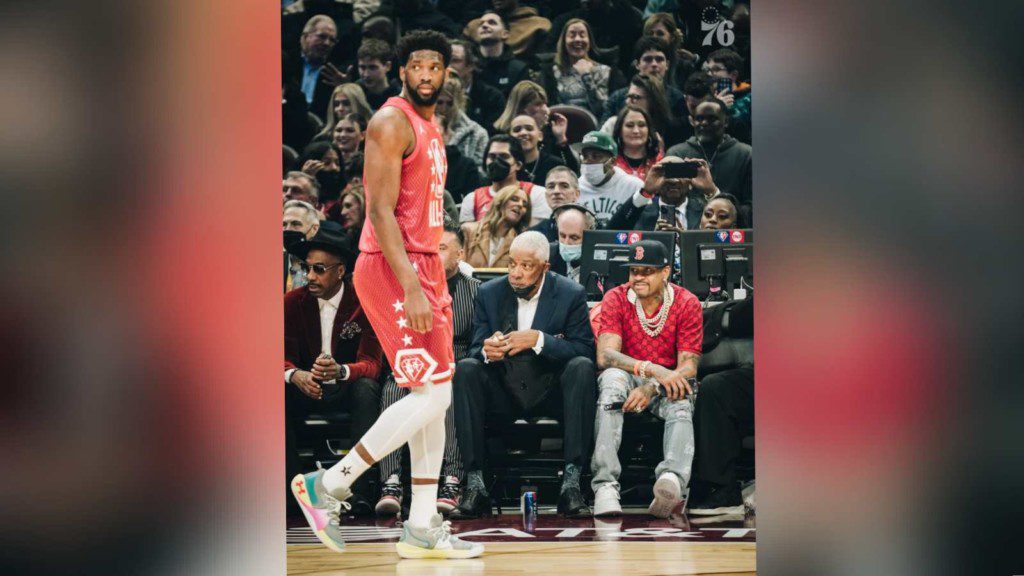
{"points": [[634, 544]]}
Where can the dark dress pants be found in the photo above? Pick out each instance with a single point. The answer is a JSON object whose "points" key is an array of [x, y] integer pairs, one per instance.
{"points": [[360, 398], [482, 404], [723, 415]]}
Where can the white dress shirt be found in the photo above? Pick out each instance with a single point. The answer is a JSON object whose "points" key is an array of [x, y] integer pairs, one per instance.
{"points": [[525, 314], [328, 312]]}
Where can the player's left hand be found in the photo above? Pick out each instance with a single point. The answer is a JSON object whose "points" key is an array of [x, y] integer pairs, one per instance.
{"points": [[520, 341], [418, 312]]}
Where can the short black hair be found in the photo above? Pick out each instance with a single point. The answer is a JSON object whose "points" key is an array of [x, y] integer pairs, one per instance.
{"points": [[515, 147], [424, 40], [451, 226], [649, 43], [728, 58], [712, 99], [697, 85]]}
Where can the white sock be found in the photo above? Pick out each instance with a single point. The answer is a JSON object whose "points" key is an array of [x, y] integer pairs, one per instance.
{"points": [[424, 504], [344, 473]]}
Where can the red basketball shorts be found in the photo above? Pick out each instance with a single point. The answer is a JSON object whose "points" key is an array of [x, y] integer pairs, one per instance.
{"points": [[416, 358]]}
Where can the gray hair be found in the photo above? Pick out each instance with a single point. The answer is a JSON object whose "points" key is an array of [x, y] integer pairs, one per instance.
{"points": [[534, 242], [589, 222], [574, 180], [312, 22], [311, 217], [312, 181]]}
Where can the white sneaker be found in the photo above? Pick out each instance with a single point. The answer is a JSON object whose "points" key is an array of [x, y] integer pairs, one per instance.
{"points": [[606, 501], [750, 497], [667, 494]]}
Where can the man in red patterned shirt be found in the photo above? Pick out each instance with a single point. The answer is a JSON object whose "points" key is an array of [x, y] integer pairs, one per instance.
{"points": [[649, 344]]}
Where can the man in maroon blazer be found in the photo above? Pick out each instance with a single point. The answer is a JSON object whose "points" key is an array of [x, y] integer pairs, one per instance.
{"points": [[332, 357]]}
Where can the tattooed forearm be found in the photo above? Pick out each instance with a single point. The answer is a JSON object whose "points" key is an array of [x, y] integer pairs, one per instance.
{"points": [[686, 364]]}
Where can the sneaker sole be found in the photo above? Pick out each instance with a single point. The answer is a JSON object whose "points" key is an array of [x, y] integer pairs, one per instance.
{"points": [[446, 506], [306, 505], [666, 496], [738, 509], [409, 551], [388, 507], [617, 511]]}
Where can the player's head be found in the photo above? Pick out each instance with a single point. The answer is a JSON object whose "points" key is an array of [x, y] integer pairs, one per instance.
{"points": [[423, 58]]}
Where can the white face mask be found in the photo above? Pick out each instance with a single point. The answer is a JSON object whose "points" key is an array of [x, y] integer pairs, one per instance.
{"points": [[592, 173]]}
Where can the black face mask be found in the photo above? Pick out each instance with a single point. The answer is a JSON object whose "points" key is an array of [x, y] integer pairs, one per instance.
{"points": [[525, 291], [498, 169], [291, 237]]}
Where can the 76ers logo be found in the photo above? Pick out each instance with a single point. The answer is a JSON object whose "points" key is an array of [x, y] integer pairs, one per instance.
{"points": [[414, 366], [438, 172]]}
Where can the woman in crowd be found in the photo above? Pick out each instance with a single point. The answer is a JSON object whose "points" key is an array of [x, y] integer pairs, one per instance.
{"points": [[488, 241], [531, 99], [459, 130], [352, 212], [322, 160], [535, 169], [349, 134], [638, 144], [721, 212], [346, 99], [576, 77], [648, 94]]}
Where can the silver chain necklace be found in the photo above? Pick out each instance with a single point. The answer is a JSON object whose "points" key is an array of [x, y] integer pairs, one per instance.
{"points": [[653, 326]]}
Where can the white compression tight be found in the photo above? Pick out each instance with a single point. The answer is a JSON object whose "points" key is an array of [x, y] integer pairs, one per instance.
{"points": [[417, 420]]}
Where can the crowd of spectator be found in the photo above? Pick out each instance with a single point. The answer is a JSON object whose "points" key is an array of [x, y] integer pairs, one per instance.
{"points": [[558, 117]]}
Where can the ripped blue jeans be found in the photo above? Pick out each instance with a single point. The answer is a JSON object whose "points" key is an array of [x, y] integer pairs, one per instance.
{"points": [[614, 385]]}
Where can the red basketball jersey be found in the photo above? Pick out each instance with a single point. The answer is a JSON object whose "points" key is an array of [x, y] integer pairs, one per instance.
{"points": [[420, 206]]}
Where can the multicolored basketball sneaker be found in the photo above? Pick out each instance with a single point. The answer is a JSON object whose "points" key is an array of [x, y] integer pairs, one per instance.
{"points": [[322, 510], [435, 541]]}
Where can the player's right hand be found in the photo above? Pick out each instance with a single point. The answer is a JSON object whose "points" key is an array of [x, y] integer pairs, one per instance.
{"points": [[418, 312]]}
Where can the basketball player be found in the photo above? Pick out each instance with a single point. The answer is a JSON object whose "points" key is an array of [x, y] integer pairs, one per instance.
{"points": [[402, 286]]}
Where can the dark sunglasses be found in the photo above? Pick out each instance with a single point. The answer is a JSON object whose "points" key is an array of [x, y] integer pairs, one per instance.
{"points": [[318, 269]]}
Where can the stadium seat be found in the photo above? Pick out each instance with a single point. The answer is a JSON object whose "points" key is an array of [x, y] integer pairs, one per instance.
{"points": [[580, 119]]}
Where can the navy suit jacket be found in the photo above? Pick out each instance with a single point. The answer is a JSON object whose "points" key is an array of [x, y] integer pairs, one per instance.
{"points": [[562, 315]]}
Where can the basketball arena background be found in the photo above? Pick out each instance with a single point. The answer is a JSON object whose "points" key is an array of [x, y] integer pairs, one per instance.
{"points": [[140, 326]]}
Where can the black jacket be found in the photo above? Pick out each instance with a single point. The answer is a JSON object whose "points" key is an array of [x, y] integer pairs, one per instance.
{"points": [[730, 166], [629, 217], [502, 72], [562, 315], [463, 176], [484, 104]]}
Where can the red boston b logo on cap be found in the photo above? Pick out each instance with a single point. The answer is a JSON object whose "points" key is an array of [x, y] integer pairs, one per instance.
{"points": [[639, 253]]}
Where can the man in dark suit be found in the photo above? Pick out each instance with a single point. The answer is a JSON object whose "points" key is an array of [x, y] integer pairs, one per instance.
{"points": [[531, 336], [332, 356], [319, 36], [670, 204]]}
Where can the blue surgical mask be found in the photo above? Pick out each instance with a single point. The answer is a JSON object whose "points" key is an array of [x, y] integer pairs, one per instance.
{"points": [[570, 252]]}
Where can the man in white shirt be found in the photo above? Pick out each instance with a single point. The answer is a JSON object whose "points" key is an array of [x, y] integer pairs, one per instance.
{"points": [[532, 354], [603, 186]]}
